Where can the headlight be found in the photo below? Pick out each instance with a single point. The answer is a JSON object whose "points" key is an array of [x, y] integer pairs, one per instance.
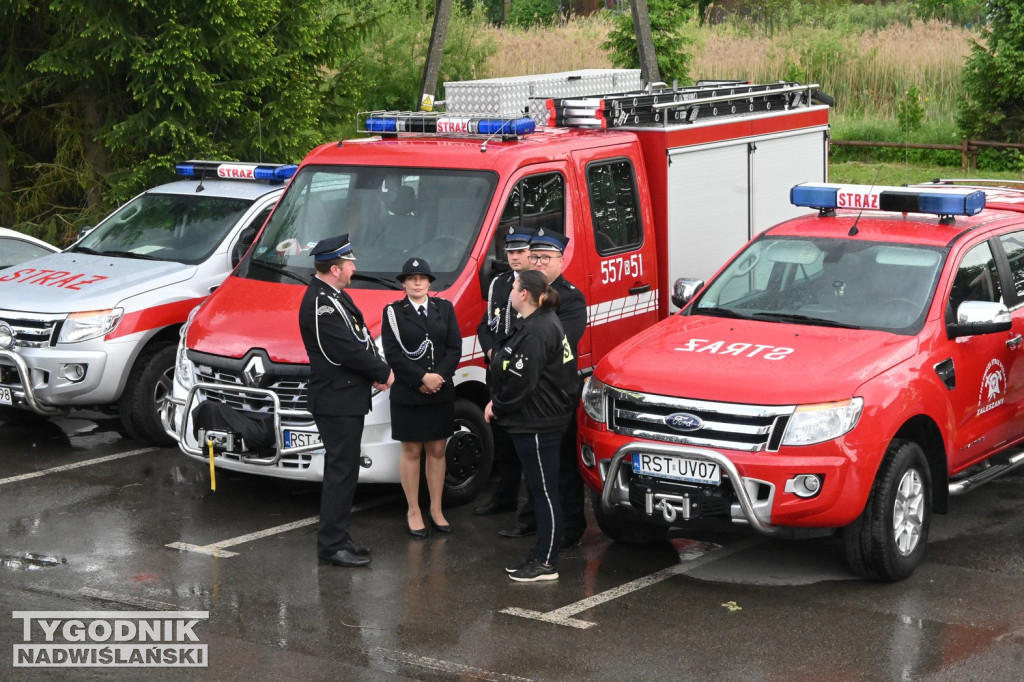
{"points": [[184, 370], [88, 325], [818, 423], [594, 399]]}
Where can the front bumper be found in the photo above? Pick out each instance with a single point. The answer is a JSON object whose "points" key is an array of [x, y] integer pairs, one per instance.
{"points": [[379, 454], [38, 381]]}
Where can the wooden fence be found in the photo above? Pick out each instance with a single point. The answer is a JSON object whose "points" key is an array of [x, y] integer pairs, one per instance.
{"points": [[968, 148]]}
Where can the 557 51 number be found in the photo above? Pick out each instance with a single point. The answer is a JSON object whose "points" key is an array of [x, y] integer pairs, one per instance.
{"points": [[615, 269]]}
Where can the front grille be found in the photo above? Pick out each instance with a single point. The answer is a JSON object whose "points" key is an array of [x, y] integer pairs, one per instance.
{"points": [[733, 426], [290, 391], [33, 330]]}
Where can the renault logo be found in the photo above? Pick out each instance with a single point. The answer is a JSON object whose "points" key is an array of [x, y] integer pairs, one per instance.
{"points": [[254, 372], [684, 421]]}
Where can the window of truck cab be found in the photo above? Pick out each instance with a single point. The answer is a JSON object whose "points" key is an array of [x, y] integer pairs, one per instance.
{"points": [[390, 214], [614, 206]]}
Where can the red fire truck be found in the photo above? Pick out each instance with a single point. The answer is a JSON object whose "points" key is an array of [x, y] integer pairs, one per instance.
{"points": [[645, 185], [851, 369]]}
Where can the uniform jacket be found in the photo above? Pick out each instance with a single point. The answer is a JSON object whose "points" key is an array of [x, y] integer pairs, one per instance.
{"points": [[440, 329], [498, 314], [571, 311], [342, 364], [533, 377]]}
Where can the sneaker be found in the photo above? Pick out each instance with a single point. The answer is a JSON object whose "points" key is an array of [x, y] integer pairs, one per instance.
{"points": [[521, 564], [534, 571]]}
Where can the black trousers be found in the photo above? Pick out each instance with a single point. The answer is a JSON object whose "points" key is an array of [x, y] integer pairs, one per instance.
{"points": [[570, 489], [510, 471], [538, 453], [341, 437]]}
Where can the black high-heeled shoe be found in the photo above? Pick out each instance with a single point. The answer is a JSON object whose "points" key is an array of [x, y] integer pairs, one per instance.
{"points": [[420, 533], [439, 527]]}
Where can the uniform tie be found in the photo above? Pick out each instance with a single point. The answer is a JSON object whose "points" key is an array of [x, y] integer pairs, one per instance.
{"points": [[423, 311]]}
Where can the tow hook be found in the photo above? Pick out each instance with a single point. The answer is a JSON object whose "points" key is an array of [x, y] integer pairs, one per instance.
{"points": [[664, 504]]}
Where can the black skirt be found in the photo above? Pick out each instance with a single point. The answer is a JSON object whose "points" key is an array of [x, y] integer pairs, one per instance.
{"points": [[422, 423]]}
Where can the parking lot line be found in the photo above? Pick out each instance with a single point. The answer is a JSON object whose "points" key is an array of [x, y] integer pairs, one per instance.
{"points": [[217, 548], [564, 615], [76, 465]]}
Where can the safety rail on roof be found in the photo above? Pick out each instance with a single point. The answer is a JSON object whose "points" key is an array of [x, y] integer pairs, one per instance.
{"points": [[434, 123], [676, 106]]}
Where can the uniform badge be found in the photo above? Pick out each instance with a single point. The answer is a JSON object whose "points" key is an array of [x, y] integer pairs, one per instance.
{"points": [[497, 311], [540, 232], [415, 263], [566, 351], [519, 363], [324, 310]]}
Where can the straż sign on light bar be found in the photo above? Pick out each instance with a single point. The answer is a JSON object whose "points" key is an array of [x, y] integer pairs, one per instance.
{"points": [[236, 171]]}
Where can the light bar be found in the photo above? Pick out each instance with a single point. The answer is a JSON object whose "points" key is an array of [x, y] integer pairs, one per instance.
{"points": [[944, 201], [230, 170], [413, 122]]}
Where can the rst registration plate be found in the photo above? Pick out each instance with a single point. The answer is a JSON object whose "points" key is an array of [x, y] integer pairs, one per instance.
{"points": [[5, 396], [299, 439], [677, 468]]}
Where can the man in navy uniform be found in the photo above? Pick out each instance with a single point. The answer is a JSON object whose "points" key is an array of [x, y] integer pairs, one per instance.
{"points": [[499, 318], [546, 255], [343, 365]]}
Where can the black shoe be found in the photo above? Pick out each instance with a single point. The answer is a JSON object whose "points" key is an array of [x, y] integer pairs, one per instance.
{"points": [[522, 564], [440, 527], [534, 571], [493, 508], [347, 558], [419, 533], [520, 530], [356, 548]]}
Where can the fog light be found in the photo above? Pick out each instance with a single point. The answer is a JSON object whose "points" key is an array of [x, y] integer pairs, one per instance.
{"points": [[73, 372], [6, 336], [587, 455], [804, 485]]}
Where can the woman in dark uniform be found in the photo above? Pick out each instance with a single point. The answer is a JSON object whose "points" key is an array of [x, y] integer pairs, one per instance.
{"points": [[423, 345], [533, 382]]}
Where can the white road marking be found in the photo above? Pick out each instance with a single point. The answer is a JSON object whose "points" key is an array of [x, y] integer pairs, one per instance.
{"points": [[76, 465], [217, 548], [464, 672], [563, 616]]}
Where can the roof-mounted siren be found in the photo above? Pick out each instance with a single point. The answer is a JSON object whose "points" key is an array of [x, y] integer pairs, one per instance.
{"points": [[945, 202], [391, 123], [232, 170]]}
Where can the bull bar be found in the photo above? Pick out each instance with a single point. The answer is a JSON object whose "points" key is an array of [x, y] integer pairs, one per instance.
{"points": [[279, 449], [614, 495], [27, 393]]}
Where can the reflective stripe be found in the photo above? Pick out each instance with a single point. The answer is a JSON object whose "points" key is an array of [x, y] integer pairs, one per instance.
{"points": [[620, 308], [156, 317]]}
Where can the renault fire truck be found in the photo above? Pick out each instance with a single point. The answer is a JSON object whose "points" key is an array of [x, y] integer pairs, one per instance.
{"points": [[644, 184], [96, 326], [849, 369]]}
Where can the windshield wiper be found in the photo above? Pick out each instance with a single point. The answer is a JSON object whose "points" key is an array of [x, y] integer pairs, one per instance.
{"points": [[802, 319], [390, 284], [720, 312], [127, 254], [84, 249], [280, 270]]}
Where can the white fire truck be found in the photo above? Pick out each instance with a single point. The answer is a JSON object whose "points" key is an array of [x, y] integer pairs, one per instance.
{"points": [[97, 324]]}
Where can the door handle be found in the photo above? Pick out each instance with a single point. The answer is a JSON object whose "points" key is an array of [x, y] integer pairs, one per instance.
{"points": [[1015, 342], [642, 289]]}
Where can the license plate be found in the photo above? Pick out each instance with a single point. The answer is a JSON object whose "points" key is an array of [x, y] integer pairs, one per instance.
{"points": [[5, 396], [299, 439], [677, 468]]}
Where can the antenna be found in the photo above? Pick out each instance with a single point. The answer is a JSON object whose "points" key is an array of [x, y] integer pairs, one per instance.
{"points": [[853, 229]]}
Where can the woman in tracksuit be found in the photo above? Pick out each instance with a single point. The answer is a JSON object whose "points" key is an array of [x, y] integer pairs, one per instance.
{"points": [[533, 382]]}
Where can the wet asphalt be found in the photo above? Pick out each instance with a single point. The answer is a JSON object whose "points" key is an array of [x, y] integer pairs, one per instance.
{"points": [[92, 521]]}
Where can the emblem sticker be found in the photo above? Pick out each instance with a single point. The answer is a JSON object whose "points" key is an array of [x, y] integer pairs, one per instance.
{"points": [[993, 387]]}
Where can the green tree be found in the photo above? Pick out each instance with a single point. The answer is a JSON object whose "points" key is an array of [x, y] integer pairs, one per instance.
{"points": [[992, 104], [670, 45], [99, 99]]}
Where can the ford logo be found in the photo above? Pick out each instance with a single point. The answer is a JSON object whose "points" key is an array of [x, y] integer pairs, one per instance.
{"points": [[683, 421]]}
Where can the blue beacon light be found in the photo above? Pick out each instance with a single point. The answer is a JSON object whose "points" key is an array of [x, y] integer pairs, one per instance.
{"points": [[945, 201]]}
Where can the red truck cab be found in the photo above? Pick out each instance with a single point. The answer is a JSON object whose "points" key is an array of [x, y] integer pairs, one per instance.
{"points": [[850, 369]]}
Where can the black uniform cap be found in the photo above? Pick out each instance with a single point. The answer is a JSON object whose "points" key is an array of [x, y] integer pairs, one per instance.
{"points": [[548, 240], [415, 266], [517, 238], [333, 247]]}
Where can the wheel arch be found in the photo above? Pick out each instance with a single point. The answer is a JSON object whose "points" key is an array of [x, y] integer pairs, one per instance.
{"points": [[925, 432], [164, 336]]}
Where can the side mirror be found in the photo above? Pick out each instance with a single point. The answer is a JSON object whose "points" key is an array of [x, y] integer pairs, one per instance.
{"points": [[86, 230], [979, 317], [685, 289], [245, 240]]}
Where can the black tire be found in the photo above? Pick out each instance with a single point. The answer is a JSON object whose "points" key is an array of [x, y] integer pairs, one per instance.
{"points": [[622, 528], [887, 540], [468, 454], [149, 384], [18, 417]]}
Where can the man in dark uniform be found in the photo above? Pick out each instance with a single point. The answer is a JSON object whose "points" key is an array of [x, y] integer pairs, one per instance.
{"points": [[499, 318], [546, 255], [343, 365]]}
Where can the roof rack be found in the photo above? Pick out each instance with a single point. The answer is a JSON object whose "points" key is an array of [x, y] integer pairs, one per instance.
{"points": [[681, 105]]}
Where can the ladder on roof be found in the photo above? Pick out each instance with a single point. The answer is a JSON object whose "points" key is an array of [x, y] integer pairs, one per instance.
{"points": [[673, 106]]}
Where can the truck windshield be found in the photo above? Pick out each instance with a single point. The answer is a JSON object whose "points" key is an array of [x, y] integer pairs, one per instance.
{"points": [[390, 215], [827, 282], [185, 228]]}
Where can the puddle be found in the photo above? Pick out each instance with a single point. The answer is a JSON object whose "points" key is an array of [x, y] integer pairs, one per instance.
{"points": [[28, 561]]}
